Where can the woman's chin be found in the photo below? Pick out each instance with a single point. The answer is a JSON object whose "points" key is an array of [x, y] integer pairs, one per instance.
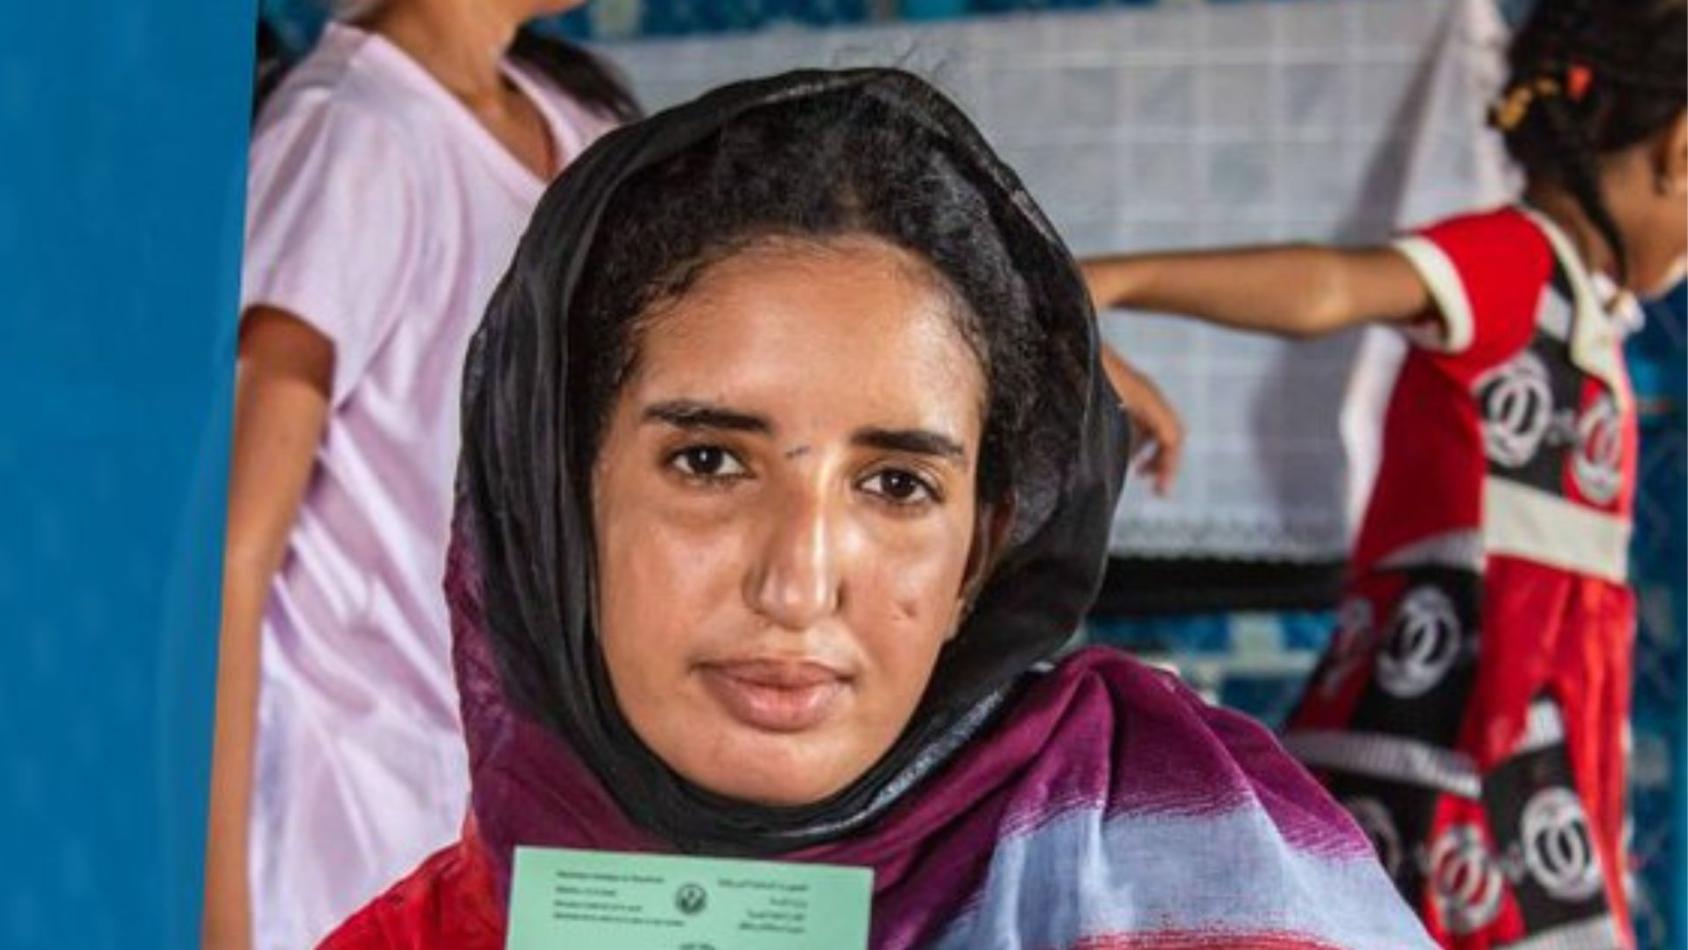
{"points": [[774, 770]]}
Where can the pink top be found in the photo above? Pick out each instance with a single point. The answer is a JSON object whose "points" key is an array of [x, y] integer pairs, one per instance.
{"points": [[383, 214]]}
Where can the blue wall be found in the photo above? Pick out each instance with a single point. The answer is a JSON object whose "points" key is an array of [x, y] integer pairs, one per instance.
{"points": [[122, 153]]}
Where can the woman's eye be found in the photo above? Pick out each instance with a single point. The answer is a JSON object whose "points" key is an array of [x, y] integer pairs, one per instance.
{"points": [[707, 461], [900, 487]]}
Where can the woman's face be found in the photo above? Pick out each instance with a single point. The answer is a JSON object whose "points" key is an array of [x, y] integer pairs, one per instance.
{"points": [[784, 508]]}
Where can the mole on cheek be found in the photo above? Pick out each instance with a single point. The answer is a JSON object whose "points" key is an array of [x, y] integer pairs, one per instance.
{"points": [[907, 610]]}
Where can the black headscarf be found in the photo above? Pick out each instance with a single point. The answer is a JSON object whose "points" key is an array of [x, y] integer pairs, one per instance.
{"points": [[528, 513]]}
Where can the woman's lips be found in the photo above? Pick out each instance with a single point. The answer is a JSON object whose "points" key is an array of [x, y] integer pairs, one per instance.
{"points": [[775, 695]]}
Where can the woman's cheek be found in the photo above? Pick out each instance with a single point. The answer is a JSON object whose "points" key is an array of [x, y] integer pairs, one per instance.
{"points": [[694, 567], [914, 600]]}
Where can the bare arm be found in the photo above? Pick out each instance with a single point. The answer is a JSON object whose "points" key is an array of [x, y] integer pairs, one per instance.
{"points": [[1298, 290], [1155, 418], [282, 387]]}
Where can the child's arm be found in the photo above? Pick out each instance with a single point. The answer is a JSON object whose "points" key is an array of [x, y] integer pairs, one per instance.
{"points": [[1299, 290], [1155, 419], [281, 403]]}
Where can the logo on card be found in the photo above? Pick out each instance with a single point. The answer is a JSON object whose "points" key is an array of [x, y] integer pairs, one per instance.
{"points": [[691, 899]]}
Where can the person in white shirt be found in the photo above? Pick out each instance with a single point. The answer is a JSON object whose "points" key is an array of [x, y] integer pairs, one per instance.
{"points": [[391, 173]]}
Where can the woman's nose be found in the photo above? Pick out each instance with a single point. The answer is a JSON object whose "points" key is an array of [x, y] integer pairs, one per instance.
{"points": [[795, 582]]}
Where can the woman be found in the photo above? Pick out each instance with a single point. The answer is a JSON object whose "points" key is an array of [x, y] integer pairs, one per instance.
{"points": [[391, 174], [1471, 710], [789, 460]]}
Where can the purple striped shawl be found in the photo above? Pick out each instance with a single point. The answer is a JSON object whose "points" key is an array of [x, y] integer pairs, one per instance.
{"points": [[1108, 807]]}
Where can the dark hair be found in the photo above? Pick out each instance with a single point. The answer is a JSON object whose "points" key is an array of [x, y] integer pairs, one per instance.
{"points": [[1590, 77], [271, 62], [585, 77], [812, 169]]}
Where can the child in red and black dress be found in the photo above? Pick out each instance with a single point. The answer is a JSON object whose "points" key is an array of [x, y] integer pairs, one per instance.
{"points": [[1471, 710]]}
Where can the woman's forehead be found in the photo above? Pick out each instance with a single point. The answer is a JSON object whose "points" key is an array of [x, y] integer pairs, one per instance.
{"points": [[798, 326]]}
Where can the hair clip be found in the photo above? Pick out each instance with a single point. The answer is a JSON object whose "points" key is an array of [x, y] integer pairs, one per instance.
{"points": [[1578, 77], [1510, 111]]}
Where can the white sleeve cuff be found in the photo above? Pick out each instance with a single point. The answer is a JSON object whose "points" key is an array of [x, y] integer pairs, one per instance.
{"points": [[1453, 332]]}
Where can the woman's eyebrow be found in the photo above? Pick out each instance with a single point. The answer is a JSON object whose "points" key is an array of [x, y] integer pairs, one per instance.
{"points": [[695, 414], [912, 441]]}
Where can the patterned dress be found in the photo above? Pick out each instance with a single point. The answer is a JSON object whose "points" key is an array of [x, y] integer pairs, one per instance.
{"points": [[1471, 711]]}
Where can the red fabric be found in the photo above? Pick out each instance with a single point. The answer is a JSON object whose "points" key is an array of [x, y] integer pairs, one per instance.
{"points": [[1540, 631], [446, 902], [1432, 438], [1571, 637], [1503, 261], [1545, 631]]}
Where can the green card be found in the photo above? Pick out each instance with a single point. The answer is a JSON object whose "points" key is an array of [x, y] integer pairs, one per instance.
{"points": [[600, 900]]}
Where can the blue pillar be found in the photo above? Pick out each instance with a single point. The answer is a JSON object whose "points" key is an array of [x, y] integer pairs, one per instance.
{"points": [[123, 133]]}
